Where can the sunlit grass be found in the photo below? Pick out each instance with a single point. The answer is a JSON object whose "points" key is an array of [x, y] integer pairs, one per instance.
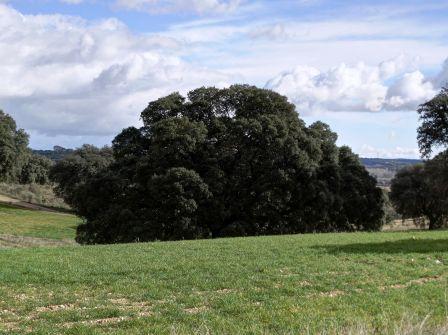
{"points": [[304, 284], [23, 222]]}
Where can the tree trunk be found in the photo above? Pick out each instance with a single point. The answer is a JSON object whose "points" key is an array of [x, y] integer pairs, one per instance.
{"points": [[435, 222]]}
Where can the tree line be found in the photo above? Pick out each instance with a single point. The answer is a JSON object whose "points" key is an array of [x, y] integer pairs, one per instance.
{"points": [[230, 162]]}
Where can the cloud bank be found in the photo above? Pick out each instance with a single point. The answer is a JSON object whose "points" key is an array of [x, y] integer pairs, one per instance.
{"points": [[68, 80], [393, 85], [62, 75]]}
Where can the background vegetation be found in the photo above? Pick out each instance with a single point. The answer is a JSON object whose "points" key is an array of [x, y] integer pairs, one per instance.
{"points": [[35, 194]]}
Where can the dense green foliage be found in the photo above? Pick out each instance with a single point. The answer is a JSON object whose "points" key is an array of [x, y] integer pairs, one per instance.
{"points": [[35, 170], [376, 283], [422, 191], [71, 173], [433, 132], [17, 163], [221, 162], [13, 148]]}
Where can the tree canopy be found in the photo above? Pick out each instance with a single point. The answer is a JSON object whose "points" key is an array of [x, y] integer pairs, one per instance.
{"points": [[422, 190], [220, 162], [18, 164], [13, 148], [433, 132], [72, 172]]}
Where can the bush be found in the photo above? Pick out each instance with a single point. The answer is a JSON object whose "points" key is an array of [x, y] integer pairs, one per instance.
{"points": [[422, 191]]}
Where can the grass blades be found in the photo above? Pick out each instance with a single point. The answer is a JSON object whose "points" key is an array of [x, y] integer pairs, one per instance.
{"points": [[37, 224], [359, 283]]}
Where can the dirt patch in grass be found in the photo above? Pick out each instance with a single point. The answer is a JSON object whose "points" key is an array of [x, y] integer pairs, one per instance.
{"points": [[332, 294], [98, 322], [195, 310], [55, 308], [226, 291], [419, 281]]}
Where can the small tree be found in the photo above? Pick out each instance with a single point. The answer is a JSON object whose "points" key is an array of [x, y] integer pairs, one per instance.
{"points": [[36, 170], [423, 190], [413, 195], [13, 148]]}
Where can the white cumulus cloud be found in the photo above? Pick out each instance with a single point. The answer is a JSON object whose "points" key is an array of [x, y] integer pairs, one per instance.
{"points": [[392, 85], [62, 75]]}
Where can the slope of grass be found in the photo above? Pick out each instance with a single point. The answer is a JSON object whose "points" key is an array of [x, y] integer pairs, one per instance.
{"points": [[305, 284], [42, 224], [33, 193]]}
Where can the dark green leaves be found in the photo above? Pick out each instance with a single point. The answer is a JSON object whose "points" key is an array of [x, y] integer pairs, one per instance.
{"points": [[224, 162], [13, 148], [433, 131]]}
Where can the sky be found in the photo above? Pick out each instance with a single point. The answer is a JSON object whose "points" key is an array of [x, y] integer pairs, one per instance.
{"points": [[79, 71]]}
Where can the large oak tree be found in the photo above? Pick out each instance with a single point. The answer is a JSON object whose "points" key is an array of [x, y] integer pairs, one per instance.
{"points": [[221, 162]]}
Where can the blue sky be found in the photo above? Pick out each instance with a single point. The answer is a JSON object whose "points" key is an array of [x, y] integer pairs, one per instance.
{"points": [[78, 71]]}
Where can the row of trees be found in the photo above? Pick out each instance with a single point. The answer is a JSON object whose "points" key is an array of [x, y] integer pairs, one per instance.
{"points": [[220, 162], [422, 190], [230, 162], [17, 163]]}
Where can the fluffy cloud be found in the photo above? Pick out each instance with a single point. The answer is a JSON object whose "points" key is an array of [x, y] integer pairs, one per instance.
{"points": [[397, 152], [409, 91], [392, 85], [165, 6], [62, 75]]}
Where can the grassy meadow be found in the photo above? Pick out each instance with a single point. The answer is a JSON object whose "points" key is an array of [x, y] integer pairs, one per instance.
{"points": [[38, 224], [360, 283]]}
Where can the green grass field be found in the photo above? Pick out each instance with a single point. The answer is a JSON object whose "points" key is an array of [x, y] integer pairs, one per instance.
{"points": [[40, 224], [361, 283]]}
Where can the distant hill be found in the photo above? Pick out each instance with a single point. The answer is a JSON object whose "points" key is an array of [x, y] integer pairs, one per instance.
{"points": [[395, 163], [384, 169], [56, 154]]}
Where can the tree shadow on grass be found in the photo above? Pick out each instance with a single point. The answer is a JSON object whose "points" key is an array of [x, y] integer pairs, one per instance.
{"points": [[390, 247]]}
